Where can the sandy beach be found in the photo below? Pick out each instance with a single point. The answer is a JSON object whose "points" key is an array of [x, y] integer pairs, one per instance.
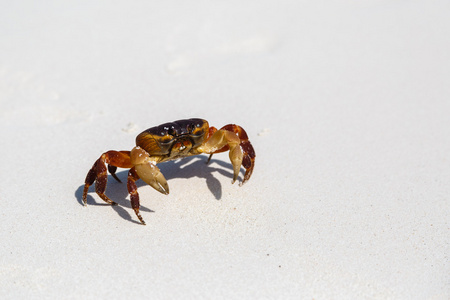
{"points": [[347, 105]]}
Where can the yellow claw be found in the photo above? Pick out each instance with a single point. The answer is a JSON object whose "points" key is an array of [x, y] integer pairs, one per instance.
{"points": [[219, 140], [236, 157], [148, 171], [151, 175]]}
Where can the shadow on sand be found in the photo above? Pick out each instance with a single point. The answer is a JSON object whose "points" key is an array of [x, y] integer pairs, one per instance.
{"points": [[184, 168]]}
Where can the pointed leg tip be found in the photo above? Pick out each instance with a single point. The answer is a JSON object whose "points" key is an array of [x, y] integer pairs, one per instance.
{"points": [[235, 177], [138, 215]]}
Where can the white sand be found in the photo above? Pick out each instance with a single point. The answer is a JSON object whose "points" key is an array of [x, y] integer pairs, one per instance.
{"points": [[347, 104]]}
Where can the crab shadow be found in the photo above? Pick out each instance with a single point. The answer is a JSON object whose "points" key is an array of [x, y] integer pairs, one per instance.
{"points": [[184, 168]]}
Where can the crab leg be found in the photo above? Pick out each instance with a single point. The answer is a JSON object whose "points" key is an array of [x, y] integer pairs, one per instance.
{"points": [[99, 174], [112, 170], [134, 195]]}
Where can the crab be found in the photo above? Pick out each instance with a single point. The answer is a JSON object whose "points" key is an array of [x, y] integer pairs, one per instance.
{"points": [[167, 142]]}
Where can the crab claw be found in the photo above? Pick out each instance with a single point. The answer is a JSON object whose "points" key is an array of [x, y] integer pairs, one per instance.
{"points": [[148, 171], [236, 157], [151, 175]]}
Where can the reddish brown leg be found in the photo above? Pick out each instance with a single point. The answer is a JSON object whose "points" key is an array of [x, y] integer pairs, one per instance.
{"points": [[134, 196], [90, 178], [112, 170], [248, 161], [98, 172]]}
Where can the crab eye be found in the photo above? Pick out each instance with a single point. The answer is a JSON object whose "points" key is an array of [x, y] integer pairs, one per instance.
{"points": [[190, 128], [172, 131]]}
